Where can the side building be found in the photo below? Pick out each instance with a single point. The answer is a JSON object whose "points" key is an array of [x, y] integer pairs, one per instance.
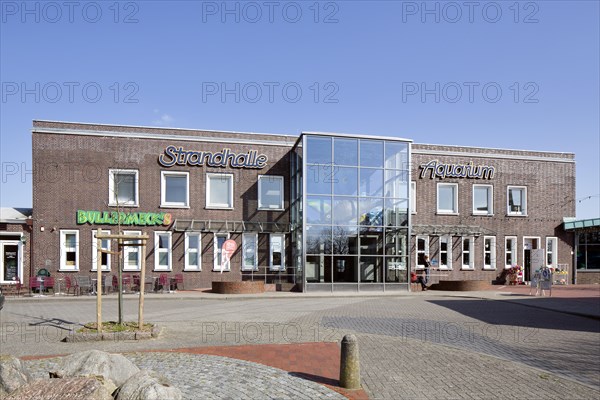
{"points": [[480, 211]]}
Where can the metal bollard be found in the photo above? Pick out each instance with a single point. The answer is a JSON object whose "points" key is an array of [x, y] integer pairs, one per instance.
{"points": [[349, 363]]}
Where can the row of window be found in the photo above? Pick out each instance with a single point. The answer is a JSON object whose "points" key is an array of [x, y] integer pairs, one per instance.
{"points": [[163, 258], [467, 259], [175, 189], [483, 199]]}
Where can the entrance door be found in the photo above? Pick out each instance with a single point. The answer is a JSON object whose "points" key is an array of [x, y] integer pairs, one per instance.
{"points": [[10, 270], [529, 243]]}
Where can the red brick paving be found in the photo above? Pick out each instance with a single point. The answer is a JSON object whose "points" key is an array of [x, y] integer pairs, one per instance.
{"points": [[318, 362]]}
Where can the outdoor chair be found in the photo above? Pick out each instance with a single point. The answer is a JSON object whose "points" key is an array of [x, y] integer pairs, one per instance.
{"points": [[84, 283], [106, 284], [175, 281], [126, 282], [136, 283], [34, 284], [69, 284], [164, 282], [49, 283], [149, 284]]}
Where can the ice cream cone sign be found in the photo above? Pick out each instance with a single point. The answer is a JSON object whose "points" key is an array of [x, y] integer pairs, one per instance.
{"points": [[229, 247]]}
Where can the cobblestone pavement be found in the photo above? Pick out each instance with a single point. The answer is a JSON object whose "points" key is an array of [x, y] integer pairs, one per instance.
{"points": [[213, 377], [427, 346]]}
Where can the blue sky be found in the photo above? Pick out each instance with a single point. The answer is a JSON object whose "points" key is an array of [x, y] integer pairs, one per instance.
{"points": [[522, 75]]}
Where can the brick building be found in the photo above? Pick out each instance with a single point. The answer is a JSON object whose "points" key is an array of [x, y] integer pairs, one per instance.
{"points": [[478, 211], [15, 247], [316, 212]]}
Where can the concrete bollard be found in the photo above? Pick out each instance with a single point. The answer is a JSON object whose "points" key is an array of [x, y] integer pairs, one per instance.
{"points": [[349, 363]]}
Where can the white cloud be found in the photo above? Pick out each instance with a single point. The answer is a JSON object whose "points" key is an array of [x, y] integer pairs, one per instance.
{"points": [[164, 120]]}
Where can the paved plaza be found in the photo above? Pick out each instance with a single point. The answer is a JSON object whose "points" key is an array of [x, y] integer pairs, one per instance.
{"points": [[430, 345]]}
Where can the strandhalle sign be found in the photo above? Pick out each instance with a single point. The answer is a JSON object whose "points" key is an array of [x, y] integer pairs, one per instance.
{"points": [[439, 170], [224, 158]]}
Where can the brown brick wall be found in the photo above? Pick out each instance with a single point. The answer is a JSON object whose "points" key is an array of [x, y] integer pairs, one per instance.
{"points": [[550, 197], [71, 172]]}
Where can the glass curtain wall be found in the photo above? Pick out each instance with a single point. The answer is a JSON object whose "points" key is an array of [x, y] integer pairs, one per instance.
{"points": [[356, 211]]}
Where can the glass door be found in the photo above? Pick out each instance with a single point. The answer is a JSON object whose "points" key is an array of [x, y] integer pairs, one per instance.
{"points": [[9, 262]]}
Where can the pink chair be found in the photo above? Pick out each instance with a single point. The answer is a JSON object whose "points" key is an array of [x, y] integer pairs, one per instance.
{"points": [[34, 284]]}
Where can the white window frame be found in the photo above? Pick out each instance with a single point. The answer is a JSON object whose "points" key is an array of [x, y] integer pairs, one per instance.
{"points": [[450, 212], [490, 199], [492, 252], [210, 176], [425, 252], [64, 250], [512, 251], [281, 190], [158, 251], [247, 239], [413, 197], [132, 249], [471, 264], [217, 251], [112, 198], [95, 250], [281, 238], [189, 250], [553, 253], [163, 189], [448, 240], [525, 203]]}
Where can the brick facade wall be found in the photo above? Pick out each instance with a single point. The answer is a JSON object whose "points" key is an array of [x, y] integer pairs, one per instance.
{"points": [[71, 172], [550, 187]]}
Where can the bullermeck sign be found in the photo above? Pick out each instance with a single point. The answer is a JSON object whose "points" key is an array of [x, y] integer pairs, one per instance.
{"points": [[439, 170], [178, 156]]}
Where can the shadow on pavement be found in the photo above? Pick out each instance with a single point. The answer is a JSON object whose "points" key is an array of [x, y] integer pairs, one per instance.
{"points": [[519, 314]]}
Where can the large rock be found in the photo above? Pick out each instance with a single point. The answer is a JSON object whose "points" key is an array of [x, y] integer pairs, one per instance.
{"points": [[148, 385], [112, 367], [62, 389], [13, 374]]}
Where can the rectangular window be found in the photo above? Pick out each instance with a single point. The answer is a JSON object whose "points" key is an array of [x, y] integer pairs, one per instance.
{"points": [[219, 190], [551, 252], [483, 199], [445, 261], [270, 192], [422, 251], [249, 255], [193, 252], [131, 254], [467, 253], [517, 200], [447, 198], [221, 263], [413, 197], [510, 251], [123, 187], [162, 251], [489, 252], [69, 250], [105, 256], [277, 252], [174, 189]]}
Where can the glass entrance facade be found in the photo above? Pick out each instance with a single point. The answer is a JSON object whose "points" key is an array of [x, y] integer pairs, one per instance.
{"points": [[350, 219]]}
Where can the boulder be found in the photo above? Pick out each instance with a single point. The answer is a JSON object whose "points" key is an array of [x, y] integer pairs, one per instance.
{"points": [[113, 367], [13, 374], [148, 385], [62, 389]]}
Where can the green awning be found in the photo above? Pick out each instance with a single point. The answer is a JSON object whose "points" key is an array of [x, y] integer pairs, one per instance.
{"points": [[572, 225]]}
